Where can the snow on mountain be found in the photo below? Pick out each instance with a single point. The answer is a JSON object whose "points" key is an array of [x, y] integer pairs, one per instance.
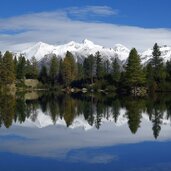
{"points": [[79, 50], [121, 51], [43, 51], [165, 54], [38, 50]]}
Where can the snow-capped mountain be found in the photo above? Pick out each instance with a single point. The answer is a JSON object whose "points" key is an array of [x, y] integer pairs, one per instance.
{"points": [[79, 50], [165, 54], [42, 51]]}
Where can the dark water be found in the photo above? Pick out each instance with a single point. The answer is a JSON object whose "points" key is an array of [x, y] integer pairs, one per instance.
{"points": [[85, 132]]}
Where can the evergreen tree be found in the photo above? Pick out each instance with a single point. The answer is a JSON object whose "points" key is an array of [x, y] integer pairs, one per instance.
{"points": [[28, 70], [116, 73], [69, 69], [1, 57], [53, 71], [43, 75], [156, 61], [34, 66], [80, 71], [157, 64], [89, 68], [149, 72], [21, 67], [99, 66], [107, 67], [168, 70], [8, 73], [134, 73], [60, 78], [150, 77], [15, 65]]}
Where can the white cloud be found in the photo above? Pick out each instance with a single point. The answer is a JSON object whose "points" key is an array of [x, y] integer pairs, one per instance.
{"points": [[57, 28], [93, 10]]}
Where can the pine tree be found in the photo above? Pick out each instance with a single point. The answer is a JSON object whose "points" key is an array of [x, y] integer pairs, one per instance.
{"points": [[157, 64], [107, 67], [15, 65], [28, 70], [54, 69], [168, 70], [43, 75], [69, 70], [8, 73], [34, 66], [80, 71], [116, 73], [134, 73], [156, 61], [21, 67], [60, 78], [89, 66], [99, 66]]}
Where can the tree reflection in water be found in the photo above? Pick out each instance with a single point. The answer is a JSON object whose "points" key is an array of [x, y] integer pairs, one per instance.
{"points": [[94, 109]]}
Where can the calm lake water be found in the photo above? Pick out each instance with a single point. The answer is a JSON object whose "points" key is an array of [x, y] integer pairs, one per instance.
{"points": [[79, 132]]}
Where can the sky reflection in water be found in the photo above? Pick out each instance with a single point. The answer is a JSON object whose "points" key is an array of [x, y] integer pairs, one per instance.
{"points": [[85, 133]]}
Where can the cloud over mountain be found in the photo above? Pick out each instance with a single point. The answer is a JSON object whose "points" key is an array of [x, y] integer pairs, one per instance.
{"points": [[60, 26]]}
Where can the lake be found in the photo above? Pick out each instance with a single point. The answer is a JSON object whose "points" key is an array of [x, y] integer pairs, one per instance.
{"points": [[56, 131]]}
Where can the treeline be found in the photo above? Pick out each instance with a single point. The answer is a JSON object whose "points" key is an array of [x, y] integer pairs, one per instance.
{"points": [[93, 72], [12, 68], [98, 74]]}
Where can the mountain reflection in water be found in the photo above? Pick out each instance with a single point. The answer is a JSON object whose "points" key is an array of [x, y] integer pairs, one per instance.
{"points": [[84, 132], [86, 112]]}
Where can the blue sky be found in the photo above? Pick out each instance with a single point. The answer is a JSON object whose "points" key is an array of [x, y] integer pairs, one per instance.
{"points": [[125, 21]]}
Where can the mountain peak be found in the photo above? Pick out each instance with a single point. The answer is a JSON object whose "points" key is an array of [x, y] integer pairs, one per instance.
{"points": [[71, 43], [120, 46], [40, 44], [87, 42]]}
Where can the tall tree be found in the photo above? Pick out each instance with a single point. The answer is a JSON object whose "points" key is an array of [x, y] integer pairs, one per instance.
{"points": [[54, 69], [8, 73], [89, 66], [80, 71], [99, 66], [134, 72], [168, 70], [15, 65], [60, 78], [156, 61], [157, 64], [28, 70], [69, 69], [34, 66], [43, 75], [107, 67], [21, 67], [116, 72]]}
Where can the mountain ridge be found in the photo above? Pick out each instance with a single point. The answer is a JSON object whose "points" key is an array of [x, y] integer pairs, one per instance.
{"points": [[82, 50]]}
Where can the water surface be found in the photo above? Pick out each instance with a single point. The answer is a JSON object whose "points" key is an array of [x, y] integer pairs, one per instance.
{"points": [[85, 132]]}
